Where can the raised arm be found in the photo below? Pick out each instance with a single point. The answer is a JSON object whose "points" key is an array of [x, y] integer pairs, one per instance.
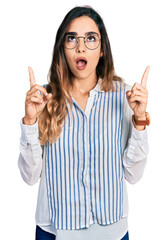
{"points": [[135, 138], [30, 157]]}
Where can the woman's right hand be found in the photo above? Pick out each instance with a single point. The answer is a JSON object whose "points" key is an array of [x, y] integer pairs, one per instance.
{"points": [[34, 102]]}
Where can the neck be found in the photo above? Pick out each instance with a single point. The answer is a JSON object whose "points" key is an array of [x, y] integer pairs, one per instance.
{"points": [[83, 85]]}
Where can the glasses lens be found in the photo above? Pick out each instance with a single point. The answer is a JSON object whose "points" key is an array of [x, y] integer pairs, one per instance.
{"points": [[70, 42], [92, 41]]}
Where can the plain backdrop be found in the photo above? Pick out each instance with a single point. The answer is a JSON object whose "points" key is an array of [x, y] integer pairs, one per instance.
{"points": [[138, 35]]}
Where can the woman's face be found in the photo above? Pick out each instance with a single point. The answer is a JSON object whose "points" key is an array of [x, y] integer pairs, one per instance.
{"points": [[81, 70]]}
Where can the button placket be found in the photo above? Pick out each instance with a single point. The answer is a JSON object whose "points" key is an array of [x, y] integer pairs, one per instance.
{"points": [[90, 103]]}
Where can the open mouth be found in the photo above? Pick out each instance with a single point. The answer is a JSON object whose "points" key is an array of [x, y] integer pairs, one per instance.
{"points": [[81, 63]]}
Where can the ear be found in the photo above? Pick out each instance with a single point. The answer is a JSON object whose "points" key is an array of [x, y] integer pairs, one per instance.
{"points": [[101, 53]]}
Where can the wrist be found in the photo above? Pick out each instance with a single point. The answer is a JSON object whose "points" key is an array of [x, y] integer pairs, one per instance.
{"points": [[143, 117], [29, 121], [141, 121], [139, 128]]}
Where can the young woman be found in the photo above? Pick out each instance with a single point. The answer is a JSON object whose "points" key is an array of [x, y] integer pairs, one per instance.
{"points": [[83, 134]]}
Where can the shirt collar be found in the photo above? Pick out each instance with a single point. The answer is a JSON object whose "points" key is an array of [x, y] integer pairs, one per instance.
{"points": [[98, 86]]}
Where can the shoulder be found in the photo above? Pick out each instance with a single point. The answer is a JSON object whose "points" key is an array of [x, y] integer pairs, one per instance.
{"points": [[44, 85], [47, 87], [127, 87], [121, 86]]}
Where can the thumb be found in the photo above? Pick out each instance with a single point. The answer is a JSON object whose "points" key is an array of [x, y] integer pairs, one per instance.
{"points": [[128, 94], [47, 98], [49, 95]]}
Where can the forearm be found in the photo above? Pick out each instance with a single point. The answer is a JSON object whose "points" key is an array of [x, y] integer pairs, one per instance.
{"points": [[30, 165], [135, 155], [30, 158]]}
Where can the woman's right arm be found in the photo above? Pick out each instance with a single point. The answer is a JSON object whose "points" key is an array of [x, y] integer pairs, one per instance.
{"points": [[30, 158]]}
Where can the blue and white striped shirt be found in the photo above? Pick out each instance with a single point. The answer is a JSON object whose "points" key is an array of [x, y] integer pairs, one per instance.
{"points": [[82, 175], [84, 167]]}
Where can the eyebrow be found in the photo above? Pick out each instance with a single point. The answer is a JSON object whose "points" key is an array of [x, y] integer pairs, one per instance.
{"points": [[75, 33]]}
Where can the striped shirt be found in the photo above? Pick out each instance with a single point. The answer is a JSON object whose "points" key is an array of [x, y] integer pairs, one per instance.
{"points": [[82, 176], [84, 167]]}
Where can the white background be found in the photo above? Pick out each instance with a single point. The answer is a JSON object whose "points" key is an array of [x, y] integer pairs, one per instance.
{"points": [[138, 34]]}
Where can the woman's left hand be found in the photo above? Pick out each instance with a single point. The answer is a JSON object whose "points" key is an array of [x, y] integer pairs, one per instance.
{"points": [[138, 96]]}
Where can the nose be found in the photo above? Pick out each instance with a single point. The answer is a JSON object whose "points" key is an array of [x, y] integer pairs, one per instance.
{"points": [[80, 45]]}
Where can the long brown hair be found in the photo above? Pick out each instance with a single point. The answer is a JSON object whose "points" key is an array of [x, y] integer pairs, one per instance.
{"points": [[52, 117]]}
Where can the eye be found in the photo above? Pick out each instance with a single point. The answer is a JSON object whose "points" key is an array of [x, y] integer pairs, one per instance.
{"points": [[91, 38], [71, 38]]}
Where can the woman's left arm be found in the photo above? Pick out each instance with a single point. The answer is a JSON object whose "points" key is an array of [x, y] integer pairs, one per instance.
{"points": [[135, 140], [135, 152], [138, 98]]}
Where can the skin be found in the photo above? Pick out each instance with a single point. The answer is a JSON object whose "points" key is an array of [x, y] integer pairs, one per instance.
{"points": [[84, 80], [34, 102], [138, 98]]}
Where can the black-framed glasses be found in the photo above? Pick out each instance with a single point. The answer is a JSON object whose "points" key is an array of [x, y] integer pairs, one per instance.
{"points": [[91, 41]]}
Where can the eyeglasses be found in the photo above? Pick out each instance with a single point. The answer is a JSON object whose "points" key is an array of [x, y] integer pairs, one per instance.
{"points": [[91, 41]]}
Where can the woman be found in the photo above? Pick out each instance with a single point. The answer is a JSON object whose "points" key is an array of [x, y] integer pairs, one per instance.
{"points": [[79, 136]]}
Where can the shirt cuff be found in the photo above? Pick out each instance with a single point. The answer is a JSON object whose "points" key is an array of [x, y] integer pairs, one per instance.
{"points": [[29, 133], [138, 137]]}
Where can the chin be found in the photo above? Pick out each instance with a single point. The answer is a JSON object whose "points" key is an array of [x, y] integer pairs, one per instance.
{"points": [[83, 74]]}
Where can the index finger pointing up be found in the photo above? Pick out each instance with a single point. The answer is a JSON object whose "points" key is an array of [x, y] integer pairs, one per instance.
{"points": [[31, 77], [145, 77]]}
